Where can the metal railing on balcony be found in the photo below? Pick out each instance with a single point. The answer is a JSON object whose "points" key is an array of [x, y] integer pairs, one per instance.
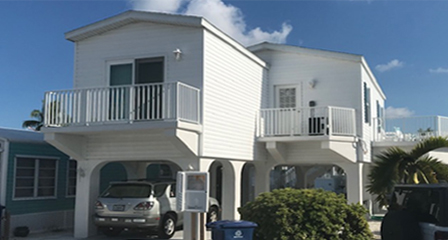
{"points": [[128, 103], [312, 121], [414, 128]]}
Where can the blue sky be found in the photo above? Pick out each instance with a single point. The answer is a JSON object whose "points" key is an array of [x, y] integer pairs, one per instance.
{"points": [[404, 42]]}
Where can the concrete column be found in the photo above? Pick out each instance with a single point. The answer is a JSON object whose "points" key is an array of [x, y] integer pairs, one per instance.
{"points": [[262, 176], [231, 196], [355, 181], [87, 191]]}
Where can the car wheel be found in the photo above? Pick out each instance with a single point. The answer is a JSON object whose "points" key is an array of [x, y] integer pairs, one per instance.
{"points": [[213, 214], [111, 232], [400, 225], [167, 227]]}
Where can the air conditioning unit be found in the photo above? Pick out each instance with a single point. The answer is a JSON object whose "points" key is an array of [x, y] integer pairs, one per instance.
{"points": [[317, 125]]}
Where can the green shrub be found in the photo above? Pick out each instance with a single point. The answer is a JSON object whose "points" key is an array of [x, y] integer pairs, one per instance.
{"points": [[313, 214]]}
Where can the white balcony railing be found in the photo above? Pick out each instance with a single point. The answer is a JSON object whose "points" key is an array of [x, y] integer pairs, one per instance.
{"points": [[410, 128], [129, 103], [306, 122]]}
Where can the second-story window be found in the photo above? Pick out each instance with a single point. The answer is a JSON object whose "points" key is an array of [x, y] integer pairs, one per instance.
{"points": [[137, 71], [135, 93], [366, 104]]}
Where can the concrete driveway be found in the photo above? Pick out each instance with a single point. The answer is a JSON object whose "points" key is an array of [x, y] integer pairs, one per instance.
{"points": [[67, 235]]}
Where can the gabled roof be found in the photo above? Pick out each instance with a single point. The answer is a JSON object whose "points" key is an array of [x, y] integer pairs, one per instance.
{"points": [[307, 51], [129, 17], [318, 53], [16, 135], [132, 16]]}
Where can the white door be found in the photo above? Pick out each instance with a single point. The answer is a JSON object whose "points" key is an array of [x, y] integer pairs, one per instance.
{"points": [[288, 119]]}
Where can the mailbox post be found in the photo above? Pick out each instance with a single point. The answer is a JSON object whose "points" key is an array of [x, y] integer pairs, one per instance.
{"points": [[193, 196]]}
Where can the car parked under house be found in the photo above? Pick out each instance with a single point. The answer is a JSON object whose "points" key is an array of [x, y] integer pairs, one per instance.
{"points": [[176, 90]]}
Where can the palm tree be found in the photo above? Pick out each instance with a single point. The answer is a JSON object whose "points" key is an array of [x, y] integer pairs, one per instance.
{"points": [[39, 115], [395, 166], [36, 124]]}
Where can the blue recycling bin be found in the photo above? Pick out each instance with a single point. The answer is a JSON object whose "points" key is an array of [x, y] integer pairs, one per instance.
{"points": [[232, 230]]}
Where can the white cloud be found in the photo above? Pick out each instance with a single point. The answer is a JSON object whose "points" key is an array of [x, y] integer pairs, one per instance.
{"points": [[389, 66], [226, 17], [392, 112], [439, 70]]}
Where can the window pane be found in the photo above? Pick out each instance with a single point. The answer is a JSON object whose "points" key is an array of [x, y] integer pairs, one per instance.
{"points": [[121, 74], [46, 182], [72, 182], [25, 162], [71, 178], [127, 191], [25, 192], [45, 192], [47, 173], [149, 70], [287, 98], [47, 163], [24, 182], [71, 191], [24, 172]]}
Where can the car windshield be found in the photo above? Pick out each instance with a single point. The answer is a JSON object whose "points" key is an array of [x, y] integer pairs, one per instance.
{"points": [[127, 191], [159, 190], [423, 203]]}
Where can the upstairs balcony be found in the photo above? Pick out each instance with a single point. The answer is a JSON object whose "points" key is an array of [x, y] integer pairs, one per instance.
{"points": [[410, 129], [128, 104], [305, 123]]}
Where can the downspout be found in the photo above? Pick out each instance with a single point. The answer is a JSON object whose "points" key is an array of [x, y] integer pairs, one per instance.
{"points": [[4, 151]]}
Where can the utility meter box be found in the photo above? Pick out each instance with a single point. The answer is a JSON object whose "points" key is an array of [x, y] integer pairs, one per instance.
{"points": [[192, 191]]}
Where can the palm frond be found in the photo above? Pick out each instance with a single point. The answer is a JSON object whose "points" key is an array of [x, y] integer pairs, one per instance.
{"points": [[428, 145]]}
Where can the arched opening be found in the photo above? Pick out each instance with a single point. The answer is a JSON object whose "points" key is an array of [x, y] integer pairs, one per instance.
{"points": [[216, 182], [113, 171], [327, 177], [162, 170], [247, 183]]}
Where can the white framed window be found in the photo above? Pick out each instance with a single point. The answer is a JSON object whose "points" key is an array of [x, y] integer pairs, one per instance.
{"points": [[136, 71], [35, 177], [71, 178], [367, 108]]}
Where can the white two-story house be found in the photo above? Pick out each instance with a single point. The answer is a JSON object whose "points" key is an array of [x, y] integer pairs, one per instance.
{"points": [[160, 88]]}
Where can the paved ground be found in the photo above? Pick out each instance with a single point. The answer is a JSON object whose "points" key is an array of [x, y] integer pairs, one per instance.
{"points": [[374, 227]]}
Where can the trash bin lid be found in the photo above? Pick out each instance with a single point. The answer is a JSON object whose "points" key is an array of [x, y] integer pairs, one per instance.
{"points": [[217, 224], [238, 224]]}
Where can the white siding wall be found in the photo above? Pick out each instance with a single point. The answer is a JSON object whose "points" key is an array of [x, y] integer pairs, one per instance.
{"points": [[369, 129], [336, 80], [130, 146], [233, 87], [140, 40]]}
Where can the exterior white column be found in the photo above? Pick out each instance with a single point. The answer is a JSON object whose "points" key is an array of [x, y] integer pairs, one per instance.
{"points": [[231, 196], [262, 177], [87, 190], [355, 181]]}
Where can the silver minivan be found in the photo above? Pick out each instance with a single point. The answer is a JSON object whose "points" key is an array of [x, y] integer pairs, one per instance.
{"points": [[142, 205]]}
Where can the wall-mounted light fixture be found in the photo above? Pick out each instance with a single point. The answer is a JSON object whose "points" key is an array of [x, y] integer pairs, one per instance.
{"points": [[177, 54], [312, 83]]}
